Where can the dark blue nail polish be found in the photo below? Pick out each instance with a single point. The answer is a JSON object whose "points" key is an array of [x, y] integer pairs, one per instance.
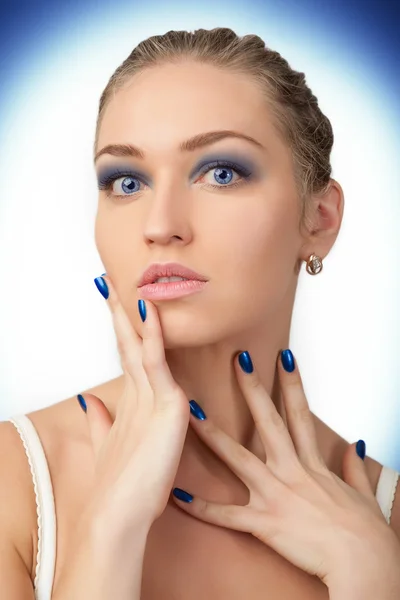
{"points": [[82, 402], [245, 362], [142, 309], [197, 411], [102, 287], [182, 495], [360, 449], [287, 360], [104, 274]]}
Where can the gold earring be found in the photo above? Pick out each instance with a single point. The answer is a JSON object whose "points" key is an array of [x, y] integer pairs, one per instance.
{"points": [[314, 264]]}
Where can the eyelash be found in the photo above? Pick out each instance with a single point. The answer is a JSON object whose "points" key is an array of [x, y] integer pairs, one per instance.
{"points": [[107, 182]]}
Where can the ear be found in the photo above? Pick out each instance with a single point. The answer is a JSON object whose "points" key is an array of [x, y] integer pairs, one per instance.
{"points": [[323, 220]]}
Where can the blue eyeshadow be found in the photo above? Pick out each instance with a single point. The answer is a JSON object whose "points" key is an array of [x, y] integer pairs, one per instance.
{"points": [[243, 163], [232, 157], [117, 171]]}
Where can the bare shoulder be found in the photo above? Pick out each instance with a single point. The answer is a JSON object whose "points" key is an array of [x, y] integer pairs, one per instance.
{"points": [[18, 507], [63, 433], [62, 426], [18, 519]]}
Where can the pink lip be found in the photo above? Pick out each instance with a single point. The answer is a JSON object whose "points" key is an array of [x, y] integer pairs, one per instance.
{"points": [[172, 289], [157, 270]]}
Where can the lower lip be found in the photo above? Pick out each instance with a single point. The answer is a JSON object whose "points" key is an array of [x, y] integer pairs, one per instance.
{"points": [[172, 289]]}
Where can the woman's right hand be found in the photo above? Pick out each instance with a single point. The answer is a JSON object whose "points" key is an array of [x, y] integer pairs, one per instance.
{"points": [[137, 456]]}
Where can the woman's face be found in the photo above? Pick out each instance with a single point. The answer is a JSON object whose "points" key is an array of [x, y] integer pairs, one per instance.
{"points": [[237, 225]]}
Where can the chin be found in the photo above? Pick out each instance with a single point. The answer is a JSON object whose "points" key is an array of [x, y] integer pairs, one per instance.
{"points": [[189, 328], [189, 337]]}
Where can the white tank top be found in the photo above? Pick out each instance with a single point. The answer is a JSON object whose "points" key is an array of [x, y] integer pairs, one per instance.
{"points": [[46, 518]]}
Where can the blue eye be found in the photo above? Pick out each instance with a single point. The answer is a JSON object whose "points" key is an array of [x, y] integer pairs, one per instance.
{"points": [[223, 176], [131, 182]]}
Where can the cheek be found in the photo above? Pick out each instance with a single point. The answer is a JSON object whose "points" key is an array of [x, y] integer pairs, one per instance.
{"points": [[254, 260], [258, 244], [117, 241]]}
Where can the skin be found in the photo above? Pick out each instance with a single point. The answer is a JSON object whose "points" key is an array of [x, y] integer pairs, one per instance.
{"points": [[246, 240]]}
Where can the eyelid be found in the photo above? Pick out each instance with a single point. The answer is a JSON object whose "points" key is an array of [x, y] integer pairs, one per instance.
{"points": [[110, 175], [232, 160], [242, 166]]}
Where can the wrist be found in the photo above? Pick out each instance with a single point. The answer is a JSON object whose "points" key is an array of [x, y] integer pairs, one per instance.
{"points": [[366, 582], [121, 536], [104, 522], [367, 571], [364, 591]]}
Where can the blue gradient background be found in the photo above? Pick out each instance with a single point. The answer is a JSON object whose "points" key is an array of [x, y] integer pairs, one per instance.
{"points": [[361, 37]]}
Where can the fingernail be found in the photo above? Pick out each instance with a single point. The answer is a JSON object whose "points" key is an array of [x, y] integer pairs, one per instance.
{"points": [[82, 402], [197, 411], [287, 360], [245, 362], [360, 449], [142, 309], [182, 495], [102, 287]]}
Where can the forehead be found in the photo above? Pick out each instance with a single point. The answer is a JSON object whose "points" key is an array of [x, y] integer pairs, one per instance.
{"points": [[163, 105]]}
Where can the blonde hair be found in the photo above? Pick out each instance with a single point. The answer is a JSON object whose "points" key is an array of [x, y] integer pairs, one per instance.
{"points": [[298, 118]]}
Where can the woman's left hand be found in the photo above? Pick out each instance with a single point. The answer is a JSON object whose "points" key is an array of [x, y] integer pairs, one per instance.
{"points": [[324, 525]]}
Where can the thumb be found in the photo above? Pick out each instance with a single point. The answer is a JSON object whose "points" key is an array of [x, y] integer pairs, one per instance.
{"points": [[354, 469], [98, 419]]}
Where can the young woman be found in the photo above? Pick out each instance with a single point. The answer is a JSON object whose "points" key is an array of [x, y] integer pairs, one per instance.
{"points": [[213, 163]]}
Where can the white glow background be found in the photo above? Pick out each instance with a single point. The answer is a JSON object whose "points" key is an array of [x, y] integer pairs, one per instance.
{"points": [[56, 333]]}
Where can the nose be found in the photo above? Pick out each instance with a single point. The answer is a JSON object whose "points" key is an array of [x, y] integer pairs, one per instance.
{"points": [[168, 218]]}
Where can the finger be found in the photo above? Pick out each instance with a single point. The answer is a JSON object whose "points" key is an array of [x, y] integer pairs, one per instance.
{"points": [[98, 419], [129, 342], [300, 420], [279, 448], [239, 518], [252, 471], [355, 472], [158, 373]]}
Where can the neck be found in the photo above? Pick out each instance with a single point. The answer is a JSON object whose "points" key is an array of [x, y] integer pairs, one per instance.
{"points": [[206, 374]]}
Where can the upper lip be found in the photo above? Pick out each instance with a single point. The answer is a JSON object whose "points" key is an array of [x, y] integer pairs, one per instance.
{"points": [[156, 270]]}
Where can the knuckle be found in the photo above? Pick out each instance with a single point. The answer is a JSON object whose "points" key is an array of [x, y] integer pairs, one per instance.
{"points": [[253, 381], [124, 340], [295, 474], [227, 513], [121, 349], [126, 357], [243, 456], [303, 414], [276, 420], [179, 398], [175, 397], [151, 361], [293, 380], [125, 363], [203, 509]]}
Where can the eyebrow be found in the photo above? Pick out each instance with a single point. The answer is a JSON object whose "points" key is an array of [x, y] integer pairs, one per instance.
{"points": [[198, 141]]}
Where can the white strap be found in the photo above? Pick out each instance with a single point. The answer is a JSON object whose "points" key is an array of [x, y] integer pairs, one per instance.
{"points": [[46, 517], [386, 491]]}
